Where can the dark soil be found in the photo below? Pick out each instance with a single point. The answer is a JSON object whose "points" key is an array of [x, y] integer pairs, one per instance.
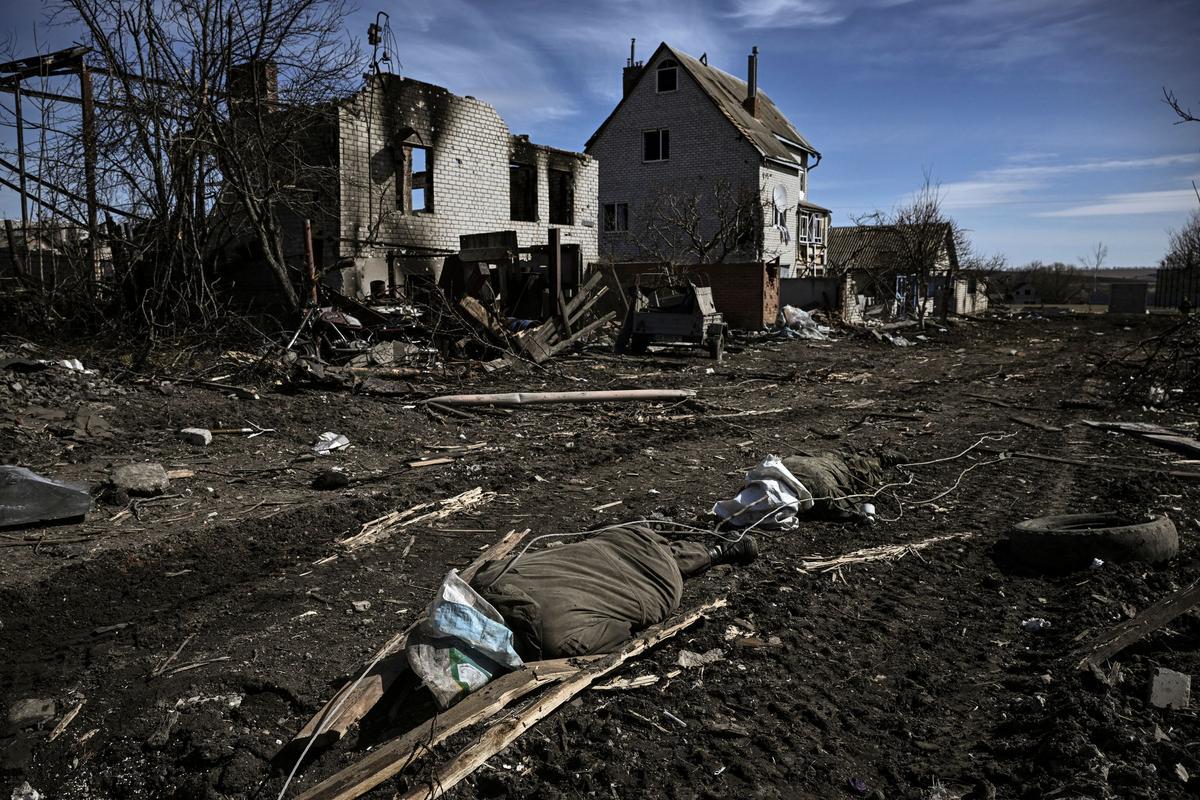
{"points": [[911, 677]]}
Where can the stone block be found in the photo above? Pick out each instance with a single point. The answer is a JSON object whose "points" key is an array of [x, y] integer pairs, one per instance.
{"points": [[1170, 689]]}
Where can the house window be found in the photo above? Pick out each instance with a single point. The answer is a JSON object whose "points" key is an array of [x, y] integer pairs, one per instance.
{"points": [[656, 145], [803, 179], [522, 192], [818, 229], [805, 225], [414, 179], [667, 76], [562, 197], [972, 284], [616, 217]]}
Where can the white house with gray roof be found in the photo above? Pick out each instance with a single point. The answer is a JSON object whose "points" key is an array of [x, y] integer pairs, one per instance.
{"points": [[689, 131]]}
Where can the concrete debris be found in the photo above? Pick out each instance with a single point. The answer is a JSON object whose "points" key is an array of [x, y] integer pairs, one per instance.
{"points": [[146, 479], [1035, 624], [1170, 689], [26, 792], [201, 437], [361, 606]]}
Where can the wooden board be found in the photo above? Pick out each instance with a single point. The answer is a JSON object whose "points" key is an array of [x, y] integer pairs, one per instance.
{"points": [[1145, 623], [505, 732], [394, 756]]}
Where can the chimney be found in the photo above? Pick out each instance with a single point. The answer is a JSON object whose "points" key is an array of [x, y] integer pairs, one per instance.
{"points": [[751, 101], [633, 69], [251, 84]]}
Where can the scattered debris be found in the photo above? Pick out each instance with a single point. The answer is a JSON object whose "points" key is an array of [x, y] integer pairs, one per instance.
{"points": [[882, 553], [624, 684], [201, 437], [1035, 625], [361, 606], [1145, 623], [328, 442], [146, 479], [380, 528], [529, 398], [690, 660], [26, 792], [1170, 689], [27, 498], [31, 713], [800, 323], [66, 720]]}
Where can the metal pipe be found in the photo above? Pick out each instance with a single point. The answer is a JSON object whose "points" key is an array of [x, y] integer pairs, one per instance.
{"points": [[21, 163], [530, 398]]}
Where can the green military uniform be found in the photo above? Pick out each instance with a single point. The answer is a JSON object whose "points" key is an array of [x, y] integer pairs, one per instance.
{"points": [[835, 475], [590, 596]]}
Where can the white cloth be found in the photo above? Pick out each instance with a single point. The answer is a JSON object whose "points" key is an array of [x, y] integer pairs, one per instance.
{"points": [[772, 494]]}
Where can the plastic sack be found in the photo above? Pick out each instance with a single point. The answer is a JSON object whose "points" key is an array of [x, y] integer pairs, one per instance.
{"points": [[802, 323], [461, 644], [27, 498], [772, 497]]}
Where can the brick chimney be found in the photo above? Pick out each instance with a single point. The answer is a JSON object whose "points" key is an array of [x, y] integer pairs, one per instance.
{"points": [[751, 101], [252, 83], [632, 71]]}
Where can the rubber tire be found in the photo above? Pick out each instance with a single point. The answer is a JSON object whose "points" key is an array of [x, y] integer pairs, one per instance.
{"points": [[1068, 541]]}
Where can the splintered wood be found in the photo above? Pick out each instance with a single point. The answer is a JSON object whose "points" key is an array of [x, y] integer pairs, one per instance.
{"points": [[891, 552], [381, 528]]}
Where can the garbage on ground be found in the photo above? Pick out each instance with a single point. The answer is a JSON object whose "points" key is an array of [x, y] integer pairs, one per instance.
{"points": [[1097, 563], [772, 497], [26, 792], [201, 437], [145, 479], [31, 713], [897, 340], [690, 660], [1035, 624], [27, 498], [801, 324], [1170, 689], [461, 644], [328, 442]]}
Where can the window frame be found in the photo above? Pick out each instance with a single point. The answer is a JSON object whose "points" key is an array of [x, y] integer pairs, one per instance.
{"points": [[564, 215], [664, 66], [531, 170], [804, 227], [818, 229], [659, 132], [617, 226]]}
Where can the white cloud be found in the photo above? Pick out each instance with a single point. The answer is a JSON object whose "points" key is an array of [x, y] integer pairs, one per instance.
{"points": [[801, 13], [1163, 202]]}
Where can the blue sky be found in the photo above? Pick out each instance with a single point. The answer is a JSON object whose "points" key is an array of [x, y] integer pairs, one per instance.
{"points": [[1043, 121]]}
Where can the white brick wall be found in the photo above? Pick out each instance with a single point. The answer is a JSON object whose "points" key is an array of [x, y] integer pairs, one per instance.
{"points": [[470, 149]]}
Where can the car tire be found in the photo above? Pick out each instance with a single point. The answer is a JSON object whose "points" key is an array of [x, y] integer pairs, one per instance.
{"points": [[1073, 540]]}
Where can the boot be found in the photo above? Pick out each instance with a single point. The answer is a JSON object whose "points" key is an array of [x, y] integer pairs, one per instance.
{"points": [[741, 552]]}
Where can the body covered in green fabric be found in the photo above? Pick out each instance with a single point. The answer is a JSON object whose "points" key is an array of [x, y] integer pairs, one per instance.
{"points": [[590, 596], [832, 476]]}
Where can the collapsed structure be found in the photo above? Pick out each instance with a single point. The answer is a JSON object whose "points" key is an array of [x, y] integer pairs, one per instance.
{"points": [[412, 168]]}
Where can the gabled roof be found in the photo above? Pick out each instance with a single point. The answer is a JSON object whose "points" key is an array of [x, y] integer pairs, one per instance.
{"points": [[871, 245], [727, 93]]}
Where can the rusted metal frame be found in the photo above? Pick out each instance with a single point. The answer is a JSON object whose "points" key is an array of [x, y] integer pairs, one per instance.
{"points": [[44, 203], [310, 261], [67, 193], [21, 162]]}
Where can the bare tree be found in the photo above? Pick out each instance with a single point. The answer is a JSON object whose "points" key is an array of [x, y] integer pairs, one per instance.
{"points": [[1055, 283], [208, 107], [704, 226], [1092, 262], [1184, 113]]}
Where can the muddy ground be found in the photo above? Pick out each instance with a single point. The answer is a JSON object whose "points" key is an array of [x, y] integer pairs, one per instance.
{"points": [[910, 678]]}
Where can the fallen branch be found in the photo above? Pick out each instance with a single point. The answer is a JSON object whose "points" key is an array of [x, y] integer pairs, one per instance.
{"points": [[891, 552], [505, 732], [381, 528], [1078, 462], [529, 398]]}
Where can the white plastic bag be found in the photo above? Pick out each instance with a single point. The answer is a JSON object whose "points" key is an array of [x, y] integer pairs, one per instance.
{"points": [[772, 494], [800, 321], [461, 644]]}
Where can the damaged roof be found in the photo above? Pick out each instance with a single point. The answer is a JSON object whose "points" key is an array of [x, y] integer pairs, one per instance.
{"points": [[870, 245], [727, 93]]}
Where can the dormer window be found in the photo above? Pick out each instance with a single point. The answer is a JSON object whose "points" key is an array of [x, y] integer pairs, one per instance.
{"points": [[667, 75]]}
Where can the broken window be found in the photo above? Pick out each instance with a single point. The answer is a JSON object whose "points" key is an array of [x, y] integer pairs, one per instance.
{"points": [[522, 192], [421, 181], [656, 145], [667, 76], [616, 217], [562, 197]]}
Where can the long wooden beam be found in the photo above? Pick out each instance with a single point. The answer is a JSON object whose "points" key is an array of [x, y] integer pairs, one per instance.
{"points": [[507, 731]]}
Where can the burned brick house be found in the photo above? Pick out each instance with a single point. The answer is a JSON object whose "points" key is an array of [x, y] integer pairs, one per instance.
{"points": [[412, 167], [684, 127]]}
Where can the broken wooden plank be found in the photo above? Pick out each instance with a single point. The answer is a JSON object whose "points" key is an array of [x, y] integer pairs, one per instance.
{"points": [[582, 332], [505, 732], [353, 701], [1033, 423], [1079, 462], [530, 398], [1149, 620], [394, 756], [380, 528]]}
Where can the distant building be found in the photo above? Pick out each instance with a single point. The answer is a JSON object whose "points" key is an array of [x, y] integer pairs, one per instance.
{"points": [[690, 131], [1026, 294], [870, 256]]}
